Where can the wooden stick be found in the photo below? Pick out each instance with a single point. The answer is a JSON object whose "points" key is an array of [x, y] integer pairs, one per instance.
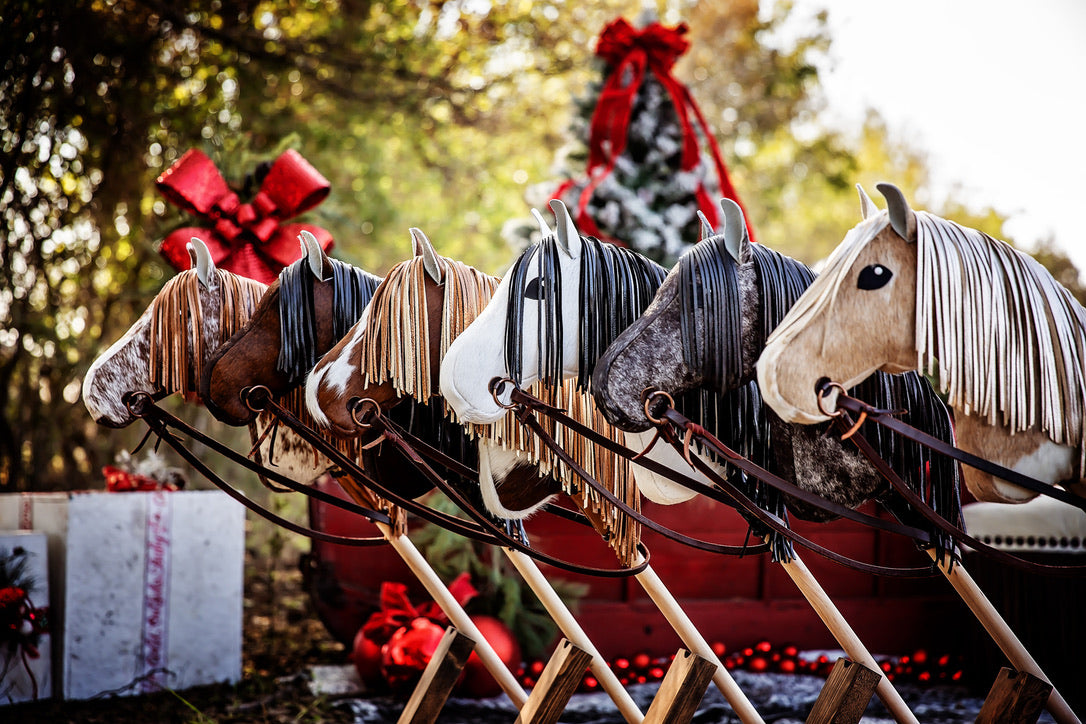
{"points": [[438, 679], [681, 691], [845, 695], [846, 637], [572, 630], [1003, 636], [457, 615], [1016, 697], [556, 685], [694, 641]]}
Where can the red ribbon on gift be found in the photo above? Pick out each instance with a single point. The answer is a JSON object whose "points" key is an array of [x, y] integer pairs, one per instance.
{"points": [[629, 52], [248, 239]]}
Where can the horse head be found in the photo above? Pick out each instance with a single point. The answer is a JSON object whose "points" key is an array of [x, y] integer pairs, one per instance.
{"points": [[908, 290], [165, 350], [703, 328], [304, 312], [859, 316], [379, 357]]}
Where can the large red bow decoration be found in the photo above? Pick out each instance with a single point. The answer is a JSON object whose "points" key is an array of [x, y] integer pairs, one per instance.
{"points": [[628, 52], [245, 238]]}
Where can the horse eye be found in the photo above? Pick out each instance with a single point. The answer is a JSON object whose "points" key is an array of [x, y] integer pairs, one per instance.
{"points": [[534, 289], [874, 276]]}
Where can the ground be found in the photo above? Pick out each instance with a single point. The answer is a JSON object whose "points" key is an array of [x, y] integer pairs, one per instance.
{"points": [[282, 638]]}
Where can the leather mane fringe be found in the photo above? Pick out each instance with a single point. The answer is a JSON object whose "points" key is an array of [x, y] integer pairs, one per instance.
{"points": [[397, 343], [177, 351], [1004, 339]]}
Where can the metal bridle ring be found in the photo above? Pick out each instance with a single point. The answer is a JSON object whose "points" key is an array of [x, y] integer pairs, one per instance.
{"points": [[364, 408], [651, 398], [821, 394], [497, 386], [256, 397], [134, 402]]}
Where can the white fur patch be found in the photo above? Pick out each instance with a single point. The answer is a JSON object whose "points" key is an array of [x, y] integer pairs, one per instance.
{"points": [[1050, 462], [495, 463]]}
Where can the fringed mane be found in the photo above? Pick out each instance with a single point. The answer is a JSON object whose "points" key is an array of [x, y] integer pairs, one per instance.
{"points": [[398, 329], [353, 289], [178, 347], [712, 310], [1006, 341], [609, 274], [397, 343]]}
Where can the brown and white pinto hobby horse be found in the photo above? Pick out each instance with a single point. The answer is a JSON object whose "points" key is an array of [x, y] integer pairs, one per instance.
{"points": [[907, 290]]}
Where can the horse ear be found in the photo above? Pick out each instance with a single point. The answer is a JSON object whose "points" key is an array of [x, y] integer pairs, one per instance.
{"points": [[706, 227], [200, 257], [544, 230], [736, 241], [867, 206], [902, 218], [425, 249], [569, 239], [319, 263]]}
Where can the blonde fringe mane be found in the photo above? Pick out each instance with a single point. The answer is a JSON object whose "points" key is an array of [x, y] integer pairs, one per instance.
{"points": [[177, 316], [1007, 342], [393, 351]]}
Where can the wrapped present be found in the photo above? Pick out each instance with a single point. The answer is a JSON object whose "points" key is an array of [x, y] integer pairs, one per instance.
{"points": [[151, 587], [25, 647]]}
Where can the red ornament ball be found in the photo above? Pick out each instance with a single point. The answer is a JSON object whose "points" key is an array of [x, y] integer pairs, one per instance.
{"points": [[790, 651], [758, 664], [763, 646], [641, 661], [718, 648], [787, 666], [476, 681], [366, 657]]}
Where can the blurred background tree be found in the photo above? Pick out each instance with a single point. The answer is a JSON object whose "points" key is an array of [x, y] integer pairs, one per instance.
{"points": [[421, 113]]}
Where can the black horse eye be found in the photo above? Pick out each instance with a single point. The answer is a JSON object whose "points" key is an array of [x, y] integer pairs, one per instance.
{"points": [[534, 289], [874, 276]]}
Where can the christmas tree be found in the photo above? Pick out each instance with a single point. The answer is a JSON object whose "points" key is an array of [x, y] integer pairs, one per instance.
{"points": [[650, 160]]}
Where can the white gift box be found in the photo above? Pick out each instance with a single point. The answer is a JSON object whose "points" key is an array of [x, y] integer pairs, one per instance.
{"points": [[24, 678], [151, 585]]}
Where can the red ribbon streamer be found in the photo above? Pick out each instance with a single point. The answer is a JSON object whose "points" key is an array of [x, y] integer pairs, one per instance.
{"points": [[629, 52], [247, 239]]}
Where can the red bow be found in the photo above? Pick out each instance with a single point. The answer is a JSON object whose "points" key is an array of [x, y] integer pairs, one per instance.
{"points": [[246, 239], [628, 52], [397, 611]]}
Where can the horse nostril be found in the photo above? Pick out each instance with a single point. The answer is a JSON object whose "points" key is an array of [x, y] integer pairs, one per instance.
{"points": [[820, 383]]}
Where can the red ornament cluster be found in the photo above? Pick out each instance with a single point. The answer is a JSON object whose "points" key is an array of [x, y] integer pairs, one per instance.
{"points": [[923, 668], [394, 646], [123, 481], [21, 622], [765, 657]]}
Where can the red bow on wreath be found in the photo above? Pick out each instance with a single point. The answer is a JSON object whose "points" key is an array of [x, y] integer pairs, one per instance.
{"points": [[628, 52], [244, 238]]}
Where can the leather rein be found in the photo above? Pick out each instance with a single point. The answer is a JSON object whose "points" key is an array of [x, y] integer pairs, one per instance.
{"points": [[722, 490], [367, 414], [680, 432]]}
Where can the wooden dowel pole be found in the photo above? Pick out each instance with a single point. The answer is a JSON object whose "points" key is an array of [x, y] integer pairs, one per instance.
{"points": [[846, 637], [457, 615], [695, 642], [1001, 633], [573, 631]]}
